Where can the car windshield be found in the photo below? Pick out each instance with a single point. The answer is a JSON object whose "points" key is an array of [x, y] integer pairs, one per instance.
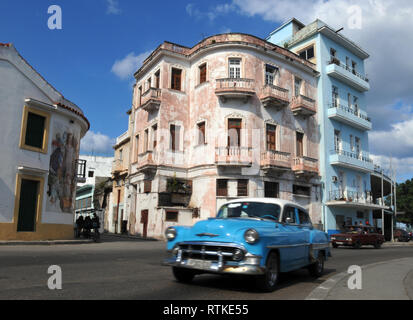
{"points": [[250, 210], [353, 229]]}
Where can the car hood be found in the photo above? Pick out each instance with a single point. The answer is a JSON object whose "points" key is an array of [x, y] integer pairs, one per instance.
{"points": [[225, 230]]}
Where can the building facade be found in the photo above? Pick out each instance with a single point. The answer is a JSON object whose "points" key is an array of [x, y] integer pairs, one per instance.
{"points": [[118, 216], [232, 117], [41, 134], [345, 166]]}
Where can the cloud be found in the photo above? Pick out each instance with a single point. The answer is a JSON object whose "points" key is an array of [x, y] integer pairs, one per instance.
{"points": [[397, 142], [96, 143], [402, 168], [212, 13], [113, 7], [126, 67]]}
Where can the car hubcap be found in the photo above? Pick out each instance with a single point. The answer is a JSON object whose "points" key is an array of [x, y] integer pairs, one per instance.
{"points": [[320, 264]]}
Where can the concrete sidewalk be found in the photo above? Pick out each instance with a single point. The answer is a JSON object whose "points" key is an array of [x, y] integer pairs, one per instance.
{"points": [[390, 280], [44, 242]]}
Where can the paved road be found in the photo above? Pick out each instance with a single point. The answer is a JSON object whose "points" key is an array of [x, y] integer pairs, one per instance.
{"points": [[130, 269]]}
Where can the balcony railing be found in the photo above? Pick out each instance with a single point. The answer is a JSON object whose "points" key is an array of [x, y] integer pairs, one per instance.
{"points": [[147, 159], [117, 166], [272, 158], [305, 165], [274, 96], [151, 99], [351, 196], [334, 60], [349, 116], [303, 106], [235, 88], [353, 160], [233, 156]]}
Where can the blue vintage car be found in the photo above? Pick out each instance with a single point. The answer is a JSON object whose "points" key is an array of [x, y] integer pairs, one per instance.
{"points": [[256, 237]]}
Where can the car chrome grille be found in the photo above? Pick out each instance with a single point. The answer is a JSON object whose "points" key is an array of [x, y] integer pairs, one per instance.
{"points": [[208, 252], [340, 238]]}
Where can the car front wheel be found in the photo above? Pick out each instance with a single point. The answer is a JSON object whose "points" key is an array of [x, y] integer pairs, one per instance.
{"points": [[268, 281], [183, 275], [377, 245], [317, 268], [357, 245]]}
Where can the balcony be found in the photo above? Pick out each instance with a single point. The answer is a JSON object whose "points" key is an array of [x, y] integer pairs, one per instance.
{"points": [[233, 156], [118, 167], [147, 161], [351, 160], [305, 166], [151, 99], [349, 116], [353, 199], [303, 106], [275, 160], [235, 88], [347, 75], [273, 96]]}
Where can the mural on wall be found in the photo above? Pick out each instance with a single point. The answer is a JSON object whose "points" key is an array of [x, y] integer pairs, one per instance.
{"points": [[62, 170]]}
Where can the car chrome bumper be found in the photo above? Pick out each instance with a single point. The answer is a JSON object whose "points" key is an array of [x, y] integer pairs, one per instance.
{"points": [[245, 269]]}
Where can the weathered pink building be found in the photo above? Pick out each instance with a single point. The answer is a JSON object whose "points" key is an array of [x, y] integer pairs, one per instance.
{"points": [[234, 116]]}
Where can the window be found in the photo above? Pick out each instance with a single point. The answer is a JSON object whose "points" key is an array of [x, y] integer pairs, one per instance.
{"points": [[222, 188], [270, 72], [356, 105], [140, 95], [358, 147], [297, 86], [157, 79], [335, 96], [148, 84], [351, 143], [301, 191], [349, 101], [91, 174], [35, 128], [30, 191], [300, 144], [289, 212], [175, 137], [360, 215], [337, 140], [304, 218], [171, 216], [201, 133], [242, 188], [234, 132], [271, 135], [203, 73], [146, 140], [176, 79], [137, 144], [234, 68], [347, 63], [354, 67], [333, 52], [271, 189], [121, 154], [307, 53], [147, 186], [154, 136]]}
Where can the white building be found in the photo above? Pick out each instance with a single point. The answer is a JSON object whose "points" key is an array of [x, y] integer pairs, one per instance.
{"points": [[96, 166], [41, 132]]}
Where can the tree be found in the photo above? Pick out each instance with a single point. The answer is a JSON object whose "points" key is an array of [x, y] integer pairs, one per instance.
{"points": [[404, 193]]}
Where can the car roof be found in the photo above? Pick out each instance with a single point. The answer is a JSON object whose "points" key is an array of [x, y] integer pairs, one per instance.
{"points": [[280, 202]]}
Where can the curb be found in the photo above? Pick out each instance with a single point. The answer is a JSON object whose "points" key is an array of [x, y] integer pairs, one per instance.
{"points": [[323, 290], [44, 243], [128, 237]]}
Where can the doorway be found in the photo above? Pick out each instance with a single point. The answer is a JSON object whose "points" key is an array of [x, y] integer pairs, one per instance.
{"points": [[144, 221], [28, 205]]}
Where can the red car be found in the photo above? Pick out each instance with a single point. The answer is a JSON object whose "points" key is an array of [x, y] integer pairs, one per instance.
{"points": [[358, 236]]}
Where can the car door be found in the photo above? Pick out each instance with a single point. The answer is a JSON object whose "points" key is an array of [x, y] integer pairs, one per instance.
{"points": [[306, 226], [297, 238]]}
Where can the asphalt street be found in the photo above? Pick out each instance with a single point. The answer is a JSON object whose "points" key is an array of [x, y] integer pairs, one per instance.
{"points": [[120, 268]]}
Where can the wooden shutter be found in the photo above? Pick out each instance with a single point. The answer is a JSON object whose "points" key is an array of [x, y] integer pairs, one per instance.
{"points": [[202, 73], [35, 130], [147, 186], [201, 133], [271, 144], [176, 79], [234, 132], [300, 145], [242, 188], [29, 191]]}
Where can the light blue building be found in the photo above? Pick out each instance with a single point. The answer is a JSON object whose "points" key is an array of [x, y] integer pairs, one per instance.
{"points": [[345, 165]]}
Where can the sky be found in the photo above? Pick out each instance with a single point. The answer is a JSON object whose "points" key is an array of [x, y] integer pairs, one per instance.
{"points": [[91, 60]]}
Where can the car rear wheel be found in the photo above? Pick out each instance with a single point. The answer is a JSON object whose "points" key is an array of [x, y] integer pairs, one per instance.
{"points": [[268, 281], [357, 245], [183, 275], [377, 245], [335, 246], [317, 268]]}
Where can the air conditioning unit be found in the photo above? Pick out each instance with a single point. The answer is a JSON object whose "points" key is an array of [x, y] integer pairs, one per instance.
{"points": [[335, 179]]}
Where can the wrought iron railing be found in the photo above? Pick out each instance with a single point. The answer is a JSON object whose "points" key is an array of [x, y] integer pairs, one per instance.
{"points": [[235, 83], [353, 155], [337, 62], [349, 110]]}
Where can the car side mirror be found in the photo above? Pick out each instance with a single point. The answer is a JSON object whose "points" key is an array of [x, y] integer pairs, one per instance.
{"points": [[288, 220]]}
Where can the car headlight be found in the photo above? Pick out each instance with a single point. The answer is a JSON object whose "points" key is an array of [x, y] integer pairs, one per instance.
{"points": [[251, 236], [349, 239], [333, 238], [170, 233]]}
